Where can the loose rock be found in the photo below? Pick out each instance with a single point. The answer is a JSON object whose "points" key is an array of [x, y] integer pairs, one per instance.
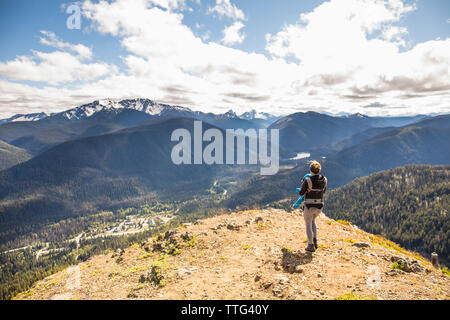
{"points": [[361, 245]]}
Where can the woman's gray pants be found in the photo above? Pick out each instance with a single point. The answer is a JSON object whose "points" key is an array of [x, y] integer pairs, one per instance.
{"points": [[310, 216]]}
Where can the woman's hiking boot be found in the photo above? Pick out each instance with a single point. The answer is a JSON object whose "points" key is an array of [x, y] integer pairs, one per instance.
{"points": [[310, 248], [315, 243]]}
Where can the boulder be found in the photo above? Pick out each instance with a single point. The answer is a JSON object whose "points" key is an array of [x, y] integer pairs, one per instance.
{"points": [[147, 246], [361, 245], [395, 272], [407, 264], [280, 278], [159, 247], [184, 273], [233, 226], [278, 290], [266, 284], [281, 284], [187, 236], [169, 235], [259, 220], [298, 269], [218, 227]]}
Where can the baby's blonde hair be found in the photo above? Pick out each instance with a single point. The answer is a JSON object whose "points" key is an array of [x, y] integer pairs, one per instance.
{"points": [[315, 167]]}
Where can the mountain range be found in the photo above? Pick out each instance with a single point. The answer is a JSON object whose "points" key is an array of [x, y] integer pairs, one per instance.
{"points": [[143, 105], [105, 116], [304, 132], [76, 171], [424, 142], [117, 154]]}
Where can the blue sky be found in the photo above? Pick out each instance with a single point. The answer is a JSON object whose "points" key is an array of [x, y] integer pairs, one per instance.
{"points": [[24, 19], [286, 53]]}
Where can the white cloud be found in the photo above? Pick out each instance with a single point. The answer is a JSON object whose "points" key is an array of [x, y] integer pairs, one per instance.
{"points": [[206, 36], [54, 68], [169, 4], [395, 34], [348, 57], [335, 28], [227, 9], [232, 35], [208, 73], [50, 39]]}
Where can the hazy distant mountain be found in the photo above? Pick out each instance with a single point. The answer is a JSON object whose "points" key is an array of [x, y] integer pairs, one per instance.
{"points": [[360, 137], [441, 121], [10, 155], [387, 150], [408, 145], [230, 120], [262, 117], [390, 121], [300, 132], [423, 142], [311, 131]]}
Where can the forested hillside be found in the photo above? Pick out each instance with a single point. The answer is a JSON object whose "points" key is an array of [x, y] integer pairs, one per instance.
{"points": [[398, 147], [408, 205], [11, 155], [107, 172]]}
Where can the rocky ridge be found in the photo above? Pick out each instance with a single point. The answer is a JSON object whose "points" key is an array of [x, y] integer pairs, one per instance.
{"points": [[257, 254]]}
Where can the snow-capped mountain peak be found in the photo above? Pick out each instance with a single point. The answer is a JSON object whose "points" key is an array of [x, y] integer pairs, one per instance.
{"points": [[230, 114], [147, 106], [25, 117], [253, 114], [143, 105], [357, 115]]}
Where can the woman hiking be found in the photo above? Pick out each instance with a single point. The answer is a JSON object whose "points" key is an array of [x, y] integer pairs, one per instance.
{"points": [[313, 188]]}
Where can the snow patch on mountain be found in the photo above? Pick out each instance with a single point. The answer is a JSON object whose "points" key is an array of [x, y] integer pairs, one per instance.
{"points": [[25, 117], [143, 105], [254, 115]]}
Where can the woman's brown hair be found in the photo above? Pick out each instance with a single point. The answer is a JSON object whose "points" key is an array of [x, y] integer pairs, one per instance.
{"points": [[315, 167]]}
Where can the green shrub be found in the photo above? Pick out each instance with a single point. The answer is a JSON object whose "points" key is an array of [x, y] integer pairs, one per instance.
{"points": [[353, 296]]}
